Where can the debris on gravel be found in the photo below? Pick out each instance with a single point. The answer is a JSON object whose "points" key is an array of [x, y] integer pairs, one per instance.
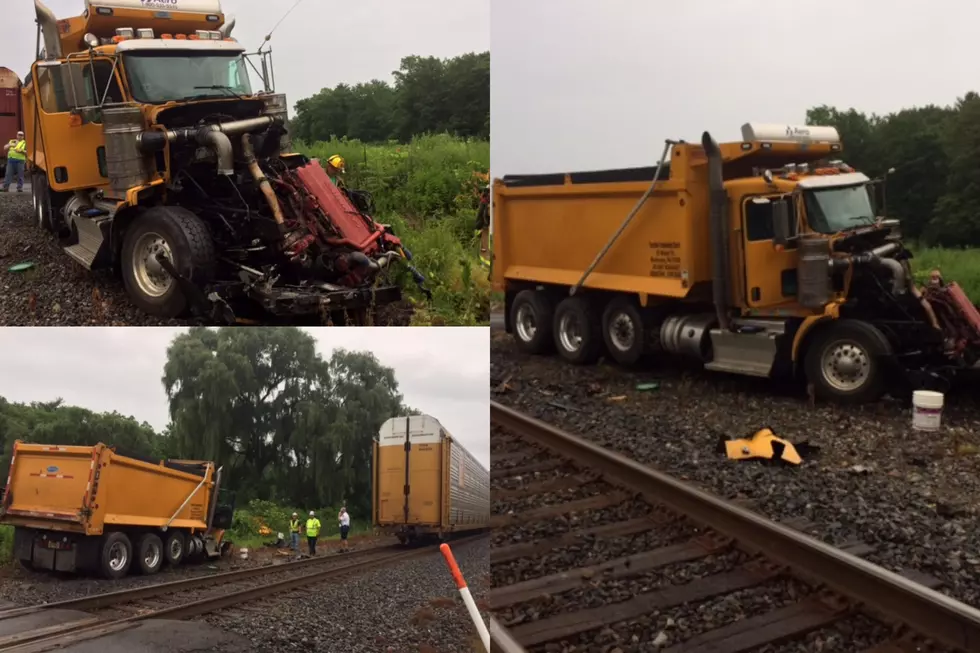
{"points": [[407, 606], [911, 495], [57, 291]]}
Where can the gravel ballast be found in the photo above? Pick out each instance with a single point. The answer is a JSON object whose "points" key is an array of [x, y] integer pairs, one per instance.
{"points": [[911, 495], [411, 606]]}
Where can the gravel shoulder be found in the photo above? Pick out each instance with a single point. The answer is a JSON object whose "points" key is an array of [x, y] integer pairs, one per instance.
{"points": [[404, 608], [914, 496]]}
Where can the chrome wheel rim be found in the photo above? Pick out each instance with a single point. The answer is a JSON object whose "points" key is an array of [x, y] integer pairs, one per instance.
{"points": [[570, 333], [118, 556], [526, 324], [152, 556], [846, 366], [153, 280], [622, 332]]}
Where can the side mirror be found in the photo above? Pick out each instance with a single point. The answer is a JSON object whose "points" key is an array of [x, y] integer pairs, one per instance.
{"points": [[780, 222]]}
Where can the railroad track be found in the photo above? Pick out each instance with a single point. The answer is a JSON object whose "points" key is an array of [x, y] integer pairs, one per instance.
{"points": [[191, 597], [594, 551]]}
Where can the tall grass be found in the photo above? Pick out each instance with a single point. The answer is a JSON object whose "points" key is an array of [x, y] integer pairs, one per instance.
{"points": [[959, 265], [425, 191]]}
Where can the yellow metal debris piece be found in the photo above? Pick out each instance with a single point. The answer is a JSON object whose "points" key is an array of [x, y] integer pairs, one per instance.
{"points": [[763, 444]]}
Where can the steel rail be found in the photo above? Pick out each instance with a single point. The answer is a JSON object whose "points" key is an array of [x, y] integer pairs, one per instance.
{"points": [[206, 605], [874, 588], [107, 599]]}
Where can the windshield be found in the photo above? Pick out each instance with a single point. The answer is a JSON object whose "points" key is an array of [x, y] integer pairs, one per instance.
{"points": [[157, 77], [830, 210]]}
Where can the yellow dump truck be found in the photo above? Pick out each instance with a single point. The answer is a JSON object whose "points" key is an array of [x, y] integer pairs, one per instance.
{"points": [[153, 156], [763, 257], [426, 485], [91, 509]]}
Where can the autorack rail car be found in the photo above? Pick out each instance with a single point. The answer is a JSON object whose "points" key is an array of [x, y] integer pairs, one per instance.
{"points": [[426, 485]]}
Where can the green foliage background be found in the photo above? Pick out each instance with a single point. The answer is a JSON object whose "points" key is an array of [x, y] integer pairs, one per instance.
{"points": [[426, 190], [935, 187]]}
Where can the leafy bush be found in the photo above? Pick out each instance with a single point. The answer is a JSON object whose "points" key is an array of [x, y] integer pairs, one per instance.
{"points": [[248, 521], [426, 191]]}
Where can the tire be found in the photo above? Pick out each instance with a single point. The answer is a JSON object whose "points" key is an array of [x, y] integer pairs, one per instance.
{"points": [[577, 331], [843, 363], [41, 199], [174, 548], [116, 555], [531, 315], [149, 554], [624, 331], [185, 239]]}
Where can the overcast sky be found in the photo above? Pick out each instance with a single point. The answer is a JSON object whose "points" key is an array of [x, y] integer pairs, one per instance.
{"points": [[320, 44], [442, 371], [597, 85]]}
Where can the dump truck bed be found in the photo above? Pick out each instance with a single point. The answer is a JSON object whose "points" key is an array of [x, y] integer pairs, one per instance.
{"points": [[549, 228], [426, 480], [88, 489]]}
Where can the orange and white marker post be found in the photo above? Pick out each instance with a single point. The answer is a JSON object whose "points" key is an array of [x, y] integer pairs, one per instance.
{"points": [[464, 591]]}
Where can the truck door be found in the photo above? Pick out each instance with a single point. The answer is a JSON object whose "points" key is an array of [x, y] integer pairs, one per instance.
{"points": [[770, 274], [71, 137]]}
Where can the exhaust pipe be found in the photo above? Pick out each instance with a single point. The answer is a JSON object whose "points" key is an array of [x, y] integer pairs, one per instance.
{"points": [[261, 180], [213, 136], [49, 29], [225, 29], [719, 230]]}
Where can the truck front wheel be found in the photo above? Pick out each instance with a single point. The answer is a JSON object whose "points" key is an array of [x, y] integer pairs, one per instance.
{"points": [[531, 314], [178, 235], [41, 197], [844, 362], [116, 556], [149, 554], [578, 334]]}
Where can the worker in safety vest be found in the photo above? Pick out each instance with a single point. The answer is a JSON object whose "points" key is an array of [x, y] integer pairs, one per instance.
{"points": [[16, 151], [294, 529], [335, 168], [312, 532]]}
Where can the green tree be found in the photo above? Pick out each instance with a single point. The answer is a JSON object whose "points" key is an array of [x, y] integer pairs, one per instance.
{"points": [[287, 425], [429, 95]]}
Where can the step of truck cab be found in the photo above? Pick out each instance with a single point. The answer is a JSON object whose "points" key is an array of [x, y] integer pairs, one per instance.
{"points": [[93, 238], [750, 348]]}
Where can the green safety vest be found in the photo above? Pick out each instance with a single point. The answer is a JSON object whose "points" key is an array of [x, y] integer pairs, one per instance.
{"points": [[18, 151], [294, 525], [312, 527]]}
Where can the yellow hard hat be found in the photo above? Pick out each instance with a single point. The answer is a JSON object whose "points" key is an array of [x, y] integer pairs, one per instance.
{"points": [[337, 162]]}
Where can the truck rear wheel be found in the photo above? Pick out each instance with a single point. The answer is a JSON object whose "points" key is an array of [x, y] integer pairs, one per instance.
{"points": [[624, 331], [149, 554], [843, 362], [531, 315], [577, 332], [178, 235], [174, 547], [116, 556]]}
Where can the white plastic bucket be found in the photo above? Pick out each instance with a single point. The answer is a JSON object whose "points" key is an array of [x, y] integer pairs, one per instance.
{"points": [[243, 553], [927, 410]]}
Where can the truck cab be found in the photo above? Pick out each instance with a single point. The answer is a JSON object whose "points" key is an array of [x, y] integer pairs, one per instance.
{"points": [[152, 154]]}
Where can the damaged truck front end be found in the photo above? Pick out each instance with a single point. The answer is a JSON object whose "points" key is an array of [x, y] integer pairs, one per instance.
{"points": [[198, 199]]}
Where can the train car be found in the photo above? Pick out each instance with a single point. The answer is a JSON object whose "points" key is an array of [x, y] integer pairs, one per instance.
{"points": [[11, 120], [425, 484]]}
